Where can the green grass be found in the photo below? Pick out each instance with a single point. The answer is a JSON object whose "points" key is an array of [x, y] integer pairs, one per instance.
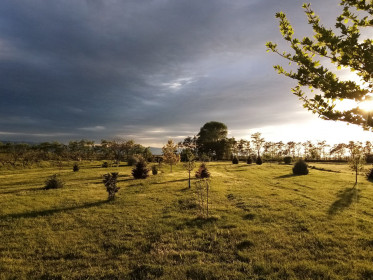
{"points": [[264, 224]]}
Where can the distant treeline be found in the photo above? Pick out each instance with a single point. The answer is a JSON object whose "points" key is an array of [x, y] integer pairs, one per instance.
{"points": [[211, 143], [19, 154]]}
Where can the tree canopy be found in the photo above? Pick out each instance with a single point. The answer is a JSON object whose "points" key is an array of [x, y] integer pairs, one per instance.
{"points": [[170, 155], [213, 132], [212, 139], [347, 46]]}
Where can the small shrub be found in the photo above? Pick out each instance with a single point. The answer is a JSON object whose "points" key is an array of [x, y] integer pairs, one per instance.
{"points": [[249, 160], [235, 160], [259, 161], [287, 160], [300, 168], [141, 170], [54, 182], [110, 182], [370, 175], [154, 170], [76, 167], [133, 160], [202, 172], [105, 164]]}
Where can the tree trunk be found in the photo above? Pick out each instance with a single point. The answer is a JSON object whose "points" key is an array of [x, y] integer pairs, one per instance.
{"points": [[189, 179], [356, 177]]}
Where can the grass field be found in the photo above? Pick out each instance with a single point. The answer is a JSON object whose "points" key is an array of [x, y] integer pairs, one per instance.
{"points": [[264, 224]]}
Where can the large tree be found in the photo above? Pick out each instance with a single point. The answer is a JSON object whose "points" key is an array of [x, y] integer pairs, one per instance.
{"points": [[343, 47], [212, 139]]}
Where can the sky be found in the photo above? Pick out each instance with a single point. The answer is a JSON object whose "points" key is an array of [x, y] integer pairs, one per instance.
{"points": [[152, 70]]}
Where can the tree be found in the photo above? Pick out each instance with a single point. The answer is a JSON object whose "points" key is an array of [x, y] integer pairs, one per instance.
{"points": [[357, 159], [290, 148], [339, 150], [189, 144], [344, 49], [257, 141], [321, 145], [170, 155], [212, 139], [243, 146], [147, 154], [189, 166], [280, 149], [269, 149]]}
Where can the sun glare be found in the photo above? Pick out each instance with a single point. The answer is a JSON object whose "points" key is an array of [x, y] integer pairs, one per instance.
{"points": [[345, 105], [366, 106]]}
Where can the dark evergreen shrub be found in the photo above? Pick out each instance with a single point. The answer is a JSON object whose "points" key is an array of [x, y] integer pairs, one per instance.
{"points": [[300, 168], [54, 182], [105, 164], [154, 170], [287, 160], [202, 172], [110, 182], [370, 175], [235, 160], [259, 161], [76, 167], [249, 160], [141, 170]]}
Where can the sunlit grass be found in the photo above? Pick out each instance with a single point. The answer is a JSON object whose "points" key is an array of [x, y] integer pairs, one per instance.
{"points": [[265, 223]]}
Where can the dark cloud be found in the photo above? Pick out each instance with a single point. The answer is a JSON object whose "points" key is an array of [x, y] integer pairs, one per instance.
{"points": [[98, 69]]}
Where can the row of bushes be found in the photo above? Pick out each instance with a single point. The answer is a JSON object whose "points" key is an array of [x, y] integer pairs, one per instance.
{"points": [[258, 161], [300, 167]]}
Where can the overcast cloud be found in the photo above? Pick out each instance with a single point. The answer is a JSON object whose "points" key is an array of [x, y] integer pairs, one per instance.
{"points": [[147, 70]]}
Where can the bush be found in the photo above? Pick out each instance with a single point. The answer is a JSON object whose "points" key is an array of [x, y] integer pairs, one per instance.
{"points": [[205, 158], [369, 158], [202, 172], [300, 168], [154, 170], [54, 182], [110, 182], [141, 170], [249, 160], [259, 161], [287, 160], [76, 167], [105, 164], [235, 160], [133, 160], [370, 175]]}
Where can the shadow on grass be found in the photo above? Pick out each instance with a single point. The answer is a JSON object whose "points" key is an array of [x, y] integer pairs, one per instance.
{"points": [[22, 190], [172, 181], [200, 222], [127, 178], [49, 212], [345, 198], [287, 176]]}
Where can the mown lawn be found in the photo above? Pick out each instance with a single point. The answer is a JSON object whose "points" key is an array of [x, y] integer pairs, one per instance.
{"points": [[264, 224]]}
